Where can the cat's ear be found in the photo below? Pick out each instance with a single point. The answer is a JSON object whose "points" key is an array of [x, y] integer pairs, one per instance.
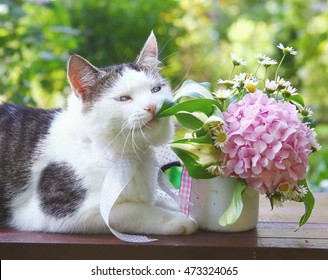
{"points": [[148, 56], [81, 75]]}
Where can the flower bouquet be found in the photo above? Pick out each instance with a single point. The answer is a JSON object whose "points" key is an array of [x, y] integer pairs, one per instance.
{"points": [[253, 128]]}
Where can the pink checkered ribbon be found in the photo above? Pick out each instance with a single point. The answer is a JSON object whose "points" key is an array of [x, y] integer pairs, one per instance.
{"points": [[185, 191]]}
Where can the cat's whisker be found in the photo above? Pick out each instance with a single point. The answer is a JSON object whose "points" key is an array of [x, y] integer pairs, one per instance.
{"points": [[183, 79], [120, 132], [134, 144], [124, 145], [143, 124], [162, 49], [167, 57]]}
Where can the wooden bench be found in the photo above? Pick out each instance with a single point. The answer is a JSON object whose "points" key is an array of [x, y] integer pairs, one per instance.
{"points": [[274, 238]]}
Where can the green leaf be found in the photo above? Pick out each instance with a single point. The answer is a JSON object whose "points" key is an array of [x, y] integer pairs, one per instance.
{"points": [[166, 105], [189, 120], [216, 116], [195, 170], [187, 149], [232, 214], [195, 105], [201, 140], [194, 90], [233, 99], [296, 99], [308, 201]]}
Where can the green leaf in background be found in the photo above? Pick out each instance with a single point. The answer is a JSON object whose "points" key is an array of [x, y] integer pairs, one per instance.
{"points": [[309, 201], [194, 90], [296, 99], [232, 214], [206, 85]]}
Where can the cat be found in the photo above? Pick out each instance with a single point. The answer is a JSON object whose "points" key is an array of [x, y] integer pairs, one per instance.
{"points": [[50, 176]]}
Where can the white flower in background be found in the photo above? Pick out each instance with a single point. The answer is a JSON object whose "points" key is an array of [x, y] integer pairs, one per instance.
{"points": [[227, 83], [223, 94], [270, 86], [250, 85], [237, 61], [288, 91], [282, 83], [287, 50], [268, 62], [238, 80], [260, 57]]}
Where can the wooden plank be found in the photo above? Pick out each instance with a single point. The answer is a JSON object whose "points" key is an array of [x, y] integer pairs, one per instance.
{"points": [[274, 238]]}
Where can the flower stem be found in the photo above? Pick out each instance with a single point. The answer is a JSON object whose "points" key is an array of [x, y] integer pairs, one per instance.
{"points": [[265, 75], [257, 69], [282, 59], [230, 76]]}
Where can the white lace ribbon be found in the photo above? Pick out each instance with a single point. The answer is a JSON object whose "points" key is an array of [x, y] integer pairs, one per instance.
{"points": [[122, 170], [117, 178]]}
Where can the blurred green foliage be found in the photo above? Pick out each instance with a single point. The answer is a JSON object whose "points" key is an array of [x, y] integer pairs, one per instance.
{"points": [[196, 37]]}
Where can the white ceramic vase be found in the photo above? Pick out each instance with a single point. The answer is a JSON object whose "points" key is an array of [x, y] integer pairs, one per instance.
{"points": [[211, 197]]}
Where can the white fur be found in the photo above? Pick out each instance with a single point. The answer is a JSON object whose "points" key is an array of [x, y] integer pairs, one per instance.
{"points": [[72, 138]]}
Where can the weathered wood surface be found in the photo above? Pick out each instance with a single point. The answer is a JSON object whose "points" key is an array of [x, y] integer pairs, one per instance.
{"points": [[274, 238]]}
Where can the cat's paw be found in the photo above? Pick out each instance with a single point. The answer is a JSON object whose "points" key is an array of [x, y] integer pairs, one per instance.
{"points": [[180, 224]]}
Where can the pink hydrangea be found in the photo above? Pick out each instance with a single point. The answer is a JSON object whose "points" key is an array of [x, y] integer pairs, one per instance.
{"points": [[268, 144]]}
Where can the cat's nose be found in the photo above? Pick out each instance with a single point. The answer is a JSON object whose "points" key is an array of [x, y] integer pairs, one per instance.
{"points": [[151, 109]]}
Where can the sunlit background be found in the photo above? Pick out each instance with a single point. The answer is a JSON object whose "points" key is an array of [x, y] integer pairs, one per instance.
{"points": [[196, 38]]}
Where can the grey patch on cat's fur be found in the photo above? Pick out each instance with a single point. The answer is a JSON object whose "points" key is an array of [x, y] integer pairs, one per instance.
{"points": [[60, 190], [21, 131]]}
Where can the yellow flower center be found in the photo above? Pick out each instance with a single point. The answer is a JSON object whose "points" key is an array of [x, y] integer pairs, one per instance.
{"points": [[251, 88], [283, 186], [221, 137]]}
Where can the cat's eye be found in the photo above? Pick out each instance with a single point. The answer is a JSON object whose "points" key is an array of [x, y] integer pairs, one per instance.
{"points": [[156, 89], [122, 98]]}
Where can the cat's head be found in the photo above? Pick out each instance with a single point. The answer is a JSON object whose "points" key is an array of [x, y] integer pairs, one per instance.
{"points": [[118, 104]]}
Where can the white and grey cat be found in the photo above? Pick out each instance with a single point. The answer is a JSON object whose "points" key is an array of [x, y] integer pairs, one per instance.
{"points": [[50, 178]]}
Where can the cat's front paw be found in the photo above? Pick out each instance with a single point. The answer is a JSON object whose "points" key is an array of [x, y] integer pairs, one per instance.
{"points": [[180, 224]]}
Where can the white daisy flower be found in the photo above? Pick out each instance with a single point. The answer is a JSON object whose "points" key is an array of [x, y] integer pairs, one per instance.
{"points": [[214, 170], [220, 137], [288, 91], [285, 190], [227, 83], [250, 85], [287, 50], [240, 77], [299, 192], [270, 86], [268, 62], [222, 94], [307, 112], [260, 57], [237, 61], [282, 83]]}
